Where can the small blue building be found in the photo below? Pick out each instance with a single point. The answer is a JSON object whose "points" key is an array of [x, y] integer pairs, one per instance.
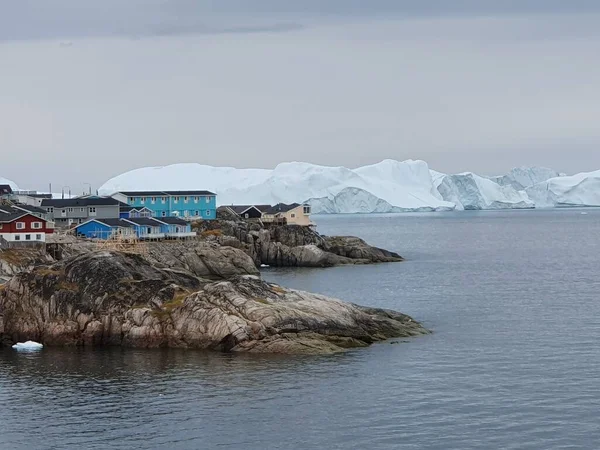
{"points": [[103, 228], [184, 204]]}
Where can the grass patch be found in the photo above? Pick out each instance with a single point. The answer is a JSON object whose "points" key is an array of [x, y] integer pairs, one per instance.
{"points": [[262, 300], [44, 271], [168, 307], [68, 286], [278, 289], [215, 233]]}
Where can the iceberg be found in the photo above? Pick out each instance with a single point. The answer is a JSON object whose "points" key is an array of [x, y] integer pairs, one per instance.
{"points": [[386, 187], [28, 346], [469, 191], [12, 184], [582, 189]]}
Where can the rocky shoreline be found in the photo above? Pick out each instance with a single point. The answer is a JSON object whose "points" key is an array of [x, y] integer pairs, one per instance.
{"points": [[192, 294]]}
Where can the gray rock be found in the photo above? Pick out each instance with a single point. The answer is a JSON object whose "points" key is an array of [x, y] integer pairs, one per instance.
{"points": [[107, 298]]}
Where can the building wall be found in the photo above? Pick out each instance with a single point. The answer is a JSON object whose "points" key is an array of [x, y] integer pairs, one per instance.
{"points": [[296, 216], [201, 206], [95, 230], [11, 231], [80, 214]]}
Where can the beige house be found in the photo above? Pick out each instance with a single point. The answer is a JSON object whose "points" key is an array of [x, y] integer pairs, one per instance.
{"points": [[294, 214]]}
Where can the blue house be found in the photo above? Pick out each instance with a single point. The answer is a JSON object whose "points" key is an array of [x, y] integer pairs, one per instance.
{"points": [[146, 228], [184, 204], [174, 227], [103, 228]]}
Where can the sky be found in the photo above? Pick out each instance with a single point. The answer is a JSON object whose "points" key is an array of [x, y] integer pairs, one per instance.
{"points": [[92, 89]]}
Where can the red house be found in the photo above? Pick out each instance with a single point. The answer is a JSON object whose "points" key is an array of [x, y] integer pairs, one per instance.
{"points": [[18, 227]]}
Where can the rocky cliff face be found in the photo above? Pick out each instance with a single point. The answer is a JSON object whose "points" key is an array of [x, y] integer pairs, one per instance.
{"points": [[13, 261], [293, 246], [107, 298]]}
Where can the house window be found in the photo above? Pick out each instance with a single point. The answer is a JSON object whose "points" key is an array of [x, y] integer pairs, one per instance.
{"points": [[207, 212], [36, 225], [196, 213], [20, 225], [27, 237], [163, 214], [207, 199], [82, 209], [38, 237], [17, 237], [63, 212], [153, 200], [247, 216], [163, 200], [307, 210], [92, 210], [132, 200], [70, 209], [50, 210], [143, 200], [185, 199], [176, 199], [149, 230], [293, 215], [186, 213], [195, 199]]}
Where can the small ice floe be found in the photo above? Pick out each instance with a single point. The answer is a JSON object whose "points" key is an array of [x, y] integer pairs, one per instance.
{"points": [[264, 265], [29, 345], [584, 213]]}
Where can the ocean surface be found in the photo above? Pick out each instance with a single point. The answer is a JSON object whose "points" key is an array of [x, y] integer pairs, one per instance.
{"points": [[512, 298]]}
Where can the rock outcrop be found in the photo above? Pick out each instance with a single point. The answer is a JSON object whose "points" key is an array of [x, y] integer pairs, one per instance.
{"points": [[293, 246], [108, 298], [13, 261]]}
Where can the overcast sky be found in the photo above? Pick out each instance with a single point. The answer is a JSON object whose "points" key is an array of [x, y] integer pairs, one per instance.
{"points": [[90, 89]]}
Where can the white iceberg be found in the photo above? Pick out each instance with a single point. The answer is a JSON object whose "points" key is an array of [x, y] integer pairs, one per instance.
{"points": [[386, 187], [29, 345], [582, 189], [472, 192], [12, 184], [393, 185]]}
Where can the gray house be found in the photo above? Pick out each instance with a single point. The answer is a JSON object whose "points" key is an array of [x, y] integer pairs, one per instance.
{"points": [[67, 212]]}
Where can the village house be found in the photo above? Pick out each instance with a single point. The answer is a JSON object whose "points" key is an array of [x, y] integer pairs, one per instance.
{"points": [[32, 198], [294, 214], [21, 228], [141, 228], [67, 212], [245, 211], [5, 191], [185, 204]]}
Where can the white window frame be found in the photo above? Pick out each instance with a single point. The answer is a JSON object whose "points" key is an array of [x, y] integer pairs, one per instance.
{"points": [[36, 225], [71, 210], [195, 199], [207, 199], [17, 237], [50, 210], [175, 199], [196, 213], [163, 214], [163, 200], [38, 237], [142, 200], [20, 225], [207, 212], [185, 199], [28, 237], [92, 211], [153, 200]]}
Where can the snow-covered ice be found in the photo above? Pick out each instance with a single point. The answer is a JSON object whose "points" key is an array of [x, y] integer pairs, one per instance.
{"points": [[582, 189], [12, 184], [29, 345], [388, 186]]}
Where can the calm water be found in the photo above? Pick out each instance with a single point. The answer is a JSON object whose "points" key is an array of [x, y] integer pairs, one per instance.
{"points": [[514, 361]]}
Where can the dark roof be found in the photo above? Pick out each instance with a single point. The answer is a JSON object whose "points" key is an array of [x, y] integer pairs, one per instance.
{"points": [[11, 216], [171, 220], [240, 209], [281, 208], [126, 208], [38, 195], [92, 201], [143, 221], [30, 208], [192, 193], [110, 223], [142, 193], [5, 189]]}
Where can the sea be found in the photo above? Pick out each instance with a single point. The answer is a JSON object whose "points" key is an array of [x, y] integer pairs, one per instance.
{"points": [[513, 362]]}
